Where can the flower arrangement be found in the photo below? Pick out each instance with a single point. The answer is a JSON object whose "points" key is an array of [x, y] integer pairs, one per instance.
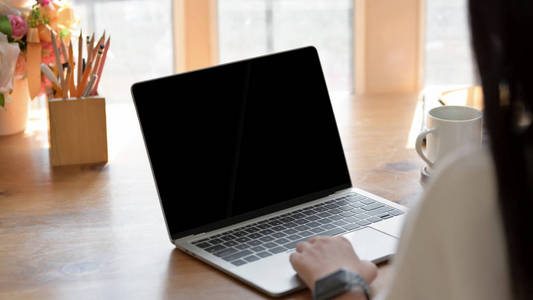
{"points": [[26, 43]]}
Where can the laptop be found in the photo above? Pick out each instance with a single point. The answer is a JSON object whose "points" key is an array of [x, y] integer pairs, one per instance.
{"points": [[248, 162]]}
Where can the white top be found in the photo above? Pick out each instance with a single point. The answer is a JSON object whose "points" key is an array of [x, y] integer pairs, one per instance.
{"points": [[453, 245]]}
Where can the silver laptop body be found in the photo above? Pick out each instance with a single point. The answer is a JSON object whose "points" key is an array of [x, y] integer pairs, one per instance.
{"points": [[248, 162], [274, 275]]}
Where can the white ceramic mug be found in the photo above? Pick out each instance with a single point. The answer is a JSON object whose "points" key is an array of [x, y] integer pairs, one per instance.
{"points": [[449, 128]]}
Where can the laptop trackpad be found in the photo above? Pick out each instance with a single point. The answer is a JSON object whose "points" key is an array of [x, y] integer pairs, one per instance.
{"points": [[373, 245]]}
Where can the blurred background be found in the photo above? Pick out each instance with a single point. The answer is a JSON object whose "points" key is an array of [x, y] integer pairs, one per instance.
{"points": [[144, 45]]}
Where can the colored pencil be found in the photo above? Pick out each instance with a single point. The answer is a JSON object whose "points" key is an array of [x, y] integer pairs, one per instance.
{"points": [[84, 80], [65, 84], [101, 66], [91, 45], [65, 87], [72, 87], [89, 48], [64, 50], [90, 85], [94, 51], [59, 66], [100, 42], [80, 56], [98, 59]]}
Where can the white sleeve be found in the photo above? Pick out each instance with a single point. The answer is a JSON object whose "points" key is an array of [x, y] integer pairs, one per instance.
{"points": [[419, 267], [452, 245]]}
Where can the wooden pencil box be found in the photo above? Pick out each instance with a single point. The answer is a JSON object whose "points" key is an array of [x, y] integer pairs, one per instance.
{"points": [[78, 131]]}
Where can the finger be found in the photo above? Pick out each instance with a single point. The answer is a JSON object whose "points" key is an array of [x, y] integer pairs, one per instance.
{"points": [[302, 246], [316, 239], [313, 239], [298, 264], [295, 259]]}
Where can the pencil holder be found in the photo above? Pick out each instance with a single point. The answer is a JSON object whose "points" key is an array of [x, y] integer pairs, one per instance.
{"points": [[78, 131]]}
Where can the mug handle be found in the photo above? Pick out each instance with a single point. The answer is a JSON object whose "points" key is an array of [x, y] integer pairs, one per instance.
{"points": [[418, 145]]}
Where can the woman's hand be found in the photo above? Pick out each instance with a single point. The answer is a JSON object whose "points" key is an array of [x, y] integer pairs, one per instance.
{"points": [[321, 256]]}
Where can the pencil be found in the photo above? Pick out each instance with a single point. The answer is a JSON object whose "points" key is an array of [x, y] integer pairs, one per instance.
{"points": [[94, 51], [64, 50], [65, 87], [100, 41], [101, 66], [89, 48], [90, 85], [80, 56], [91, 45], [72, 88], [83, 83], [86, 74], [58, 63], [98, 59], [90, 62], [54, 70], [72, 85], [59, 92]]}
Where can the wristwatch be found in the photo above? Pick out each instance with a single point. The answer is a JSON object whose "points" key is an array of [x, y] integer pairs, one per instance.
{"points": [[338, 283]]}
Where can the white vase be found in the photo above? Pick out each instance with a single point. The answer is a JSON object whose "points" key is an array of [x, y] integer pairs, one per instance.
{"points": [[14, 114]]}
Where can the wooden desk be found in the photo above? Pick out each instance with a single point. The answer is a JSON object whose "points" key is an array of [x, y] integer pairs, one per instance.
{"points": [[98, 232]]}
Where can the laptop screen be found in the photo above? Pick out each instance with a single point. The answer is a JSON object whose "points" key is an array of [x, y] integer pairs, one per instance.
{"points": [[239, 140]]}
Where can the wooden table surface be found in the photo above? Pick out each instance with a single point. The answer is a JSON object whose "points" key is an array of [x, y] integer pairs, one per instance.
{"points": [[97, 232]]}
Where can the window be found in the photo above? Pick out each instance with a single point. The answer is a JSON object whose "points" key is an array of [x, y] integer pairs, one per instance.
{"points": [[141, 41], [449, 61], [257, 27]]}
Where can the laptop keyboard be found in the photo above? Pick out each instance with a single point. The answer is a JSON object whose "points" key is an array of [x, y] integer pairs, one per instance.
{"points": [[281, 233]]}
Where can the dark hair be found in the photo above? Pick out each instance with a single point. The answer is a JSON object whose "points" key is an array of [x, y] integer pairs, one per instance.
{"points": [[502, 39]]}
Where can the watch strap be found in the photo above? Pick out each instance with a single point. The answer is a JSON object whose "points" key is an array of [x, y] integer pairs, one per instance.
{"points": [[338, 283]]}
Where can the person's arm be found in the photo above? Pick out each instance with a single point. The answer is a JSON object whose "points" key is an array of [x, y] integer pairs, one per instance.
{"points": [[321, 256]]}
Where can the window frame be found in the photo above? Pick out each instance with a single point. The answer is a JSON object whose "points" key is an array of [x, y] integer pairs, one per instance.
{"points": [[381, 65]]}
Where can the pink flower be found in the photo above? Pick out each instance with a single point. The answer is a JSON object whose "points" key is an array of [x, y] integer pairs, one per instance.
{"points": [[47, 52], [44, 83], [44, 2], [19, 27]]}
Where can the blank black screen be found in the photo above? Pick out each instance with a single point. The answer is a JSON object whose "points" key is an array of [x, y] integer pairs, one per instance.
{"points": [[241, 139]]}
